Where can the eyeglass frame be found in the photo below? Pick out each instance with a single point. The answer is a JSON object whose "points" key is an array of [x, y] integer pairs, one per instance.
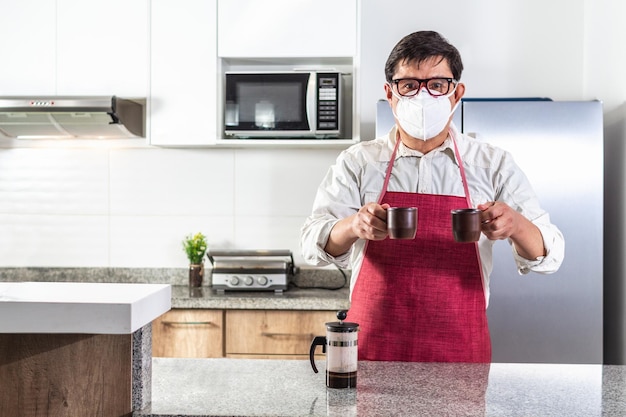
{"points": [[424, 82]]}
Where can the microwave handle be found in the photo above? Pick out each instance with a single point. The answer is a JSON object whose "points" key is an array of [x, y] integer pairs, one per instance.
{"points": [[311, 99]]}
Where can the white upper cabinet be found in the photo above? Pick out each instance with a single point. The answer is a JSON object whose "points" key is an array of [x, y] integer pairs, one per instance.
{"points": [[287, 28], [27, 29], [183, 67], [102, 47], [74, 47]]}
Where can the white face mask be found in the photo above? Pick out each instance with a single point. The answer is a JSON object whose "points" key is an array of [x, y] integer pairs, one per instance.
{"points": [[423, 116]]}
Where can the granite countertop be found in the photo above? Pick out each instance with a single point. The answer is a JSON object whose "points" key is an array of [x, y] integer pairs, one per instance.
{"points": [[264, 388], [291, 299]]}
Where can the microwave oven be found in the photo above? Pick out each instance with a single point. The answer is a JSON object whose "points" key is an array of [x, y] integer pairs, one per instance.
{"points": [[283, 104]]}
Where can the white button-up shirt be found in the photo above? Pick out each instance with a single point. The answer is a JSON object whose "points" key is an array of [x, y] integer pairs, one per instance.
{"points": [[358, 175]]}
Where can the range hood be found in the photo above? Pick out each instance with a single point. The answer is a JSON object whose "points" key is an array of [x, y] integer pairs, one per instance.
{"points": [[65, 117]]}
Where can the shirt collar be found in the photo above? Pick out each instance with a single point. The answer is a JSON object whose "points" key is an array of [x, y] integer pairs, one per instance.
{"points": [[447, 147]]}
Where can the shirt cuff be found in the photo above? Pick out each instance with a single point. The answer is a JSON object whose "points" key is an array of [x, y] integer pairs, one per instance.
{"points": [[342, 260], [543, 264], [524, 266]]}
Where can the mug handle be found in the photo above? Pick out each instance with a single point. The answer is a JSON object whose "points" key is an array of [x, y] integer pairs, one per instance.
{"points": [[318, 340]]}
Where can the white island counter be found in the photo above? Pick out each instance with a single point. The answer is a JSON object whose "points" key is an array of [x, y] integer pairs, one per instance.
{"points": [[80, 307], [77, 348]]}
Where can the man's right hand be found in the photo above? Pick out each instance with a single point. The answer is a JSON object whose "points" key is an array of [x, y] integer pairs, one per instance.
{"points": [[369, 223]]}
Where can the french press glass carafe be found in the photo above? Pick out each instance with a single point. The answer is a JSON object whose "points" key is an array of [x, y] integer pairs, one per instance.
{"points": [[341, 348]]}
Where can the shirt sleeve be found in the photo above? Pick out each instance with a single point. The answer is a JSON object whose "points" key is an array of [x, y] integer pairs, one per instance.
{"points": [[518, 193], [337, 197], [554, 243]]}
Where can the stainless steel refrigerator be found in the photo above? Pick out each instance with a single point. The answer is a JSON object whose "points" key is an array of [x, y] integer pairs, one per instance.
{"points": [[554, 318]]}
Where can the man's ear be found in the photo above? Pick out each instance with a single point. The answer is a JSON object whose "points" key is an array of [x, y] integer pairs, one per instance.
{"points": [[459, 92], [388, 93]]}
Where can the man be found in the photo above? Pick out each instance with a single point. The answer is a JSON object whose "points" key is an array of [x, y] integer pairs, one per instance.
{"points": [[425, 299]]}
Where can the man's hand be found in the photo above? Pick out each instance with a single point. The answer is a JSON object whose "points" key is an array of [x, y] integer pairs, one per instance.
{"points": [[369, 223], [499, 221]]}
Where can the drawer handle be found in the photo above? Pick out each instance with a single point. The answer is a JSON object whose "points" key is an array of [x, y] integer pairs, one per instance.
{"points": [[187, 323], [298, 335]]}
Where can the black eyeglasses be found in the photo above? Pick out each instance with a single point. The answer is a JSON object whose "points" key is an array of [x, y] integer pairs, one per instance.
{"points": [[408, 87]]}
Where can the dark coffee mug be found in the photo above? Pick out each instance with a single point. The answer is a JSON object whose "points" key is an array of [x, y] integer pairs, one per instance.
{"points": [[466, 225], [402, 222]]}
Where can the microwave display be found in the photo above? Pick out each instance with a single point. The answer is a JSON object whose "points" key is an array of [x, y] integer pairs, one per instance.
{"points": [[282, 104]]}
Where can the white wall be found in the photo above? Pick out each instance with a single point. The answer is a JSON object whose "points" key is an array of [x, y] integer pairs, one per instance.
{"points": [[131, 207]]}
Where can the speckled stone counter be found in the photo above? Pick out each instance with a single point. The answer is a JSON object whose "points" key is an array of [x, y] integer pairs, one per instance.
{"points": [[273, 388], [292, 299]]}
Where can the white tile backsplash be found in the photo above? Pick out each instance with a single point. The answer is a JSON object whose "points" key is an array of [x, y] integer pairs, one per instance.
{"points": [[279, 182], [137, 241], [132, 206], [54, 240], [269, 232], [54, 181], [182, 182]]}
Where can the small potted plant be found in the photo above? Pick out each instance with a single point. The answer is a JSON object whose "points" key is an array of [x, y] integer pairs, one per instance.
{"points": [[195, 247]]}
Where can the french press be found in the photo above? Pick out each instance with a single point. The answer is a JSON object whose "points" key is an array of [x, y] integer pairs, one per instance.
{"points": [[341, 348]]}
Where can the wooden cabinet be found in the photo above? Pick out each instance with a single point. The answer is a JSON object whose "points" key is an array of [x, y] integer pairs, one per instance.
{"points": [[188, 334], [257, 334], [183, 70], [287, 28], [276, 334]]}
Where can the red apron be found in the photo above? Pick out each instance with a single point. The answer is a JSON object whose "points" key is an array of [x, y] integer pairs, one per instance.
{"points": [[422, 300]]}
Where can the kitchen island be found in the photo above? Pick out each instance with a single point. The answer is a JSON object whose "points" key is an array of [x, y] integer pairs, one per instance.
{"points": [[77, 349], [289, 388]]}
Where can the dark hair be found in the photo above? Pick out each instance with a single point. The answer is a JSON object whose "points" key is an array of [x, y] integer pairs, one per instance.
{"points": [[421, 46]]}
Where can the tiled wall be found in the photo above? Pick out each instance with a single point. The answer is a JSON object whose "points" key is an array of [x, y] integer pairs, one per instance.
{"points": [[131, 207]]}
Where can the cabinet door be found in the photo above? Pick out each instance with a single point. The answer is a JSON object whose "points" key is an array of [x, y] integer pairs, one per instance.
{"points": [[287, 28], [102, 48], [27, 30], [274, 333], [185, 333], [183, 70]]}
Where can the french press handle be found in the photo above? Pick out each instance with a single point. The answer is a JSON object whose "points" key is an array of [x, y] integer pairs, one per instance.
{"points": [[318, 340]]}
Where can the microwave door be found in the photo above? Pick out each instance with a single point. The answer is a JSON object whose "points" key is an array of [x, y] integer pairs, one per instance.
{"points": [[267, 105]]}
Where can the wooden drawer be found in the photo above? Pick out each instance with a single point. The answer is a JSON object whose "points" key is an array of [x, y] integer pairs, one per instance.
{"points": [[273, 332], [189, 334]]}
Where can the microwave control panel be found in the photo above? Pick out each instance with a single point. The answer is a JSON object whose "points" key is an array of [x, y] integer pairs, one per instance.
{"points": [[328, 101]]}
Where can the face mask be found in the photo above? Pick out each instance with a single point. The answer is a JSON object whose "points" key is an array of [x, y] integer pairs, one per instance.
{"points": [[422, 115]]}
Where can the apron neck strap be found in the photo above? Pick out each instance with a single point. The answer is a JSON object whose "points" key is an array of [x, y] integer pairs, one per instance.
{"points": [[458, 157], [462, 169], [389, 168]]}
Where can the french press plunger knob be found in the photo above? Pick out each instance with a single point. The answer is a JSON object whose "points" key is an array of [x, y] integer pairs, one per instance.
{"points": [[341, 315]]}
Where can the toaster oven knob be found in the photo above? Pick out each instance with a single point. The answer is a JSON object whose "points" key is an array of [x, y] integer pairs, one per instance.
{"points": [[248, 280], [262, 280], [234, 281]]}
